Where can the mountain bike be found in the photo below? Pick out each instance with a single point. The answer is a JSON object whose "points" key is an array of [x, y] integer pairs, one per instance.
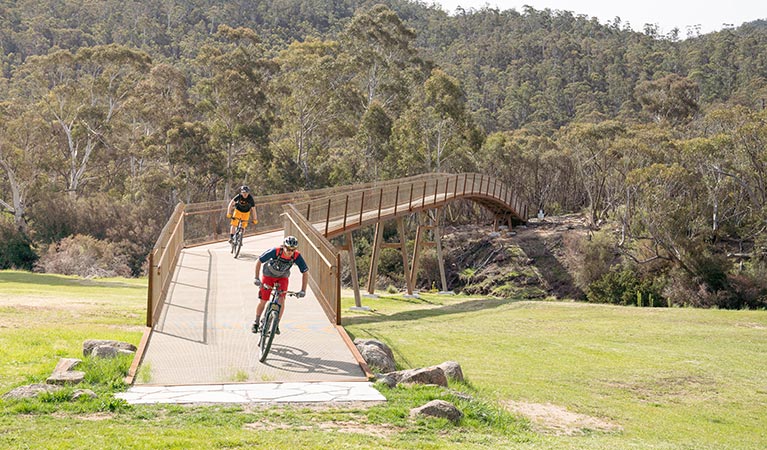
{"points": [[237, 239], [270, 321]]}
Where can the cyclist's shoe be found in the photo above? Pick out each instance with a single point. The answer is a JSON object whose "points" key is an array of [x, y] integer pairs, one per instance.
{"points": [[277, 331], [254, 328]]}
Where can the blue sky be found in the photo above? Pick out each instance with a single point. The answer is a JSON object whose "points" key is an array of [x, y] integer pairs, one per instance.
{"points": [[667, 14]]}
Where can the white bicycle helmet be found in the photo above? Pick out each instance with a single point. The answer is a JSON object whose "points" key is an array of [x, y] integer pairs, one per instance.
{"points": [[290, 242]]}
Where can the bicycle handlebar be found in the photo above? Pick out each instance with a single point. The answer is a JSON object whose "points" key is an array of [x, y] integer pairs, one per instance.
{"points": [[269, 287]]}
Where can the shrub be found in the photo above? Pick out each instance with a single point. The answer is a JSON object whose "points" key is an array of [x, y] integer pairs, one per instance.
{"points": [[134, 227], [750, 289], [705, 283], [85, 256], [624, 286], [15, 247], [595, 257]]}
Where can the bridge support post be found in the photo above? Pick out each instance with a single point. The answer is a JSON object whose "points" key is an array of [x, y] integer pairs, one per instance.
{"points": [[417, 249], [438, 241], [349, 248], [373, 272], [403, 251], [420, 242]]}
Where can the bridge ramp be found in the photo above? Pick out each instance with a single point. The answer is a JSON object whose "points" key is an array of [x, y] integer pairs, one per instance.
{"points": [[203, 334]]}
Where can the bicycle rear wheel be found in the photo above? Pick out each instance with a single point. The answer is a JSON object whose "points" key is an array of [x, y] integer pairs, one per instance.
{"points": [[267, 333], [237, 243]]}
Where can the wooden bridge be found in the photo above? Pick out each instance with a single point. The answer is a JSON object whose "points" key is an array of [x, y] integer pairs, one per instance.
{"points": [[195, 232]]}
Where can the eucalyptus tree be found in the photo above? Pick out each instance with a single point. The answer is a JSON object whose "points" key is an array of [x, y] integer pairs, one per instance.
{"points": [[161, 103], [233, 95], [436, 133], [24, 138], [593, 149], [732, 160], [534, 168], [319, 106], [381, 52], [83, 95], [672, 99]]}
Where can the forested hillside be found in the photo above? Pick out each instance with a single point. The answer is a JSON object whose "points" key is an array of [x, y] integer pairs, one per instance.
{"points": [[112, 112]]}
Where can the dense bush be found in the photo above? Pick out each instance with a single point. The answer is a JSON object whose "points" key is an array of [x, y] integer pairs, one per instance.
{"points": [[15, 247], [706, 283], [624, 286], [85, 256], [594, 257], [131, 228]]}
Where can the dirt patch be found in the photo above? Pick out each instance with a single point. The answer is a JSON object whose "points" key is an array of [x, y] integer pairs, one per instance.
{"points": [[548, 243], [340, 427], [552, 419], [95, 417], [669, 389]]}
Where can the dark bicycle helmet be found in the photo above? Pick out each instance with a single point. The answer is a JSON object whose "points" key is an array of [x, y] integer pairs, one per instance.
{"points": [[290, 242], [244, 189]]}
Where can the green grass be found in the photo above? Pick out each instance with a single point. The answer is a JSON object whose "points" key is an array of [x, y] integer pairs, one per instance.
{"points": [[671, 378]]}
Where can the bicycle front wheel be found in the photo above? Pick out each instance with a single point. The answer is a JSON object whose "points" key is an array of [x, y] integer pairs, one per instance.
{"points": [[267, 333], [237, 244]]}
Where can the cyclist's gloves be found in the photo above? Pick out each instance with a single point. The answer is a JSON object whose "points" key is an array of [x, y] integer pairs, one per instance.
{"points": [[257, 282], [255, 222], [228, 216], [300, 294]]}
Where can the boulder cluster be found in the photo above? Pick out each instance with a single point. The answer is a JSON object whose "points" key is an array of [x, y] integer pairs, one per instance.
{"points": [[65, 374], [380, 359]]}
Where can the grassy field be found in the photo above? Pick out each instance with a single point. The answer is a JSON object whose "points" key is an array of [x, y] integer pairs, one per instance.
{"points": [[638, 378], [657, 377]]}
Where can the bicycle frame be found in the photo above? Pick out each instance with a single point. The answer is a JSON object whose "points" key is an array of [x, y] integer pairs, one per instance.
{"points": [[271, 319]]}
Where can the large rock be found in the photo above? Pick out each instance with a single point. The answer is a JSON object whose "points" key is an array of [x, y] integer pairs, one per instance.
{"points": [[376, 354], [452, 370], [69, 377], [385, 348], [30, 391], [438, 408], [63, 373], [66, 364], [91, 344], [83, 393], [108, 351], [428, 375], [386, 379]]}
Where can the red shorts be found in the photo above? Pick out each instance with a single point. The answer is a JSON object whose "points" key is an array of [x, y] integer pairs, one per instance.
{"points": [[280, 283]]}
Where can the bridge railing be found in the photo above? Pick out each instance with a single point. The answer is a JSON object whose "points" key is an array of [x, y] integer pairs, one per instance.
{"points": [[323, 259], [206, 222], [335, 213], [315, 216], [162, 262]]}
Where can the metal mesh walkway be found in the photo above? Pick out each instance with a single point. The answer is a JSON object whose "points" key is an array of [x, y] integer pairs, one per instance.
{"points": [[203, 334]]}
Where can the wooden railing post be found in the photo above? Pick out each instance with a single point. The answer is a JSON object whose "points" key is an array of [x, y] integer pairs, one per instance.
{"points": [[346, 209], [150, 292], [362, 206], [396, 200], [380, 200]]}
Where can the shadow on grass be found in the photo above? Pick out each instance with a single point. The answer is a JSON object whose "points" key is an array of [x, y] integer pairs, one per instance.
{"points": [[457, 308], [60, 280]]}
